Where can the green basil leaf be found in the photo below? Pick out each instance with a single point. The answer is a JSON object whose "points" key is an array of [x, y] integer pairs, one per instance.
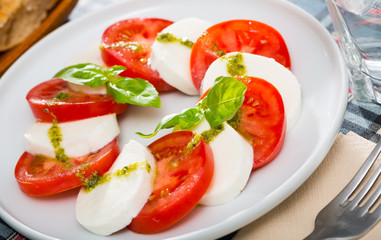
{"points": [[190, 117], [219, 105], [185, 120], [218, 79], [169, 121], [134, 91], [223, 100], [83, 74], [114, 71]]}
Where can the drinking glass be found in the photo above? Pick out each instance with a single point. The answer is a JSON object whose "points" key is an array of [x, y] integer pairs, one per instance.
{"points": [[358, 27]]}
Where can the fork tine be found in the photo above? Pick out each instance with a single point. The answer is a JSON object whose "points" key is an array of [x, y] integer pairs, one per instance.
{"points": [[366, 189], [356, 180], [377, 212], [343, 218], [372, 200]]}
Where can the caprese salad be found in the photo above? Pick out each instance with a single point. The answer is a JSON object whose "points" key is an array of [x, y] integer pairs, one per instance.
{"points": [[249, 99]]}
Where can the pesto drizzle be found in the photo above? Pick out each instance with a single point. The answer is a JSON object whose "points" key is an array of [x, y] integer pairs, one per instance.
{"points": [[170, 38], [235, 66], [207, 135], [95, 179], [61, 96], [236, 119], [55, 137], [210, 134], [220, 52], [194, 142]]}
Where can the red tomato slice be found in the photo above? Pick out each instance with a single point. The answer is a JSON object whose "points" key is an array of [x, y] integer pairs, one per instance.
{"points": [[45, 106], [181, 181], [128, 43], [236, 36], [261, 120], [41, 175]]}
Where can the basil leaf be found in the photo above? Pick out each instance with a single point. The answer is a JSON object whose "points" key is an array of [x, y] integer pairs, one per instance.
{"points": [[114, 71], [134, 91], [169, 121], [219, 105], [83, 74], [190, 117], [223, 100], [218, 79]]}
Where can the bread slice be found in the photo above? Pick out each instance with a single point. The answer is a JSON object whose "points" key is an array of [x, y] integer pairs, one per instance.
{"points": [[19, 18]]}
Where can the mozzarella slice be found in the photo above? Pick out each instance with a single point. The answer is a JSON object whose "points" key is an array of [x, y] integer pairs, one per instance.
{"points": [[269, 70], [233, 161], [172, 59], [110, 206], [78, 137], [86, 89], [92, 54]]}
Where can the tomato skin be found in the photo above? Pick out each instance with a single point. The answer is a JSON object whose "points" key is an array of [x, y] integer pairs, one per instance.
{"points": [[236, 36], [137, 61], [78, 106], [32, 179], [263, 120], [195, 173]]}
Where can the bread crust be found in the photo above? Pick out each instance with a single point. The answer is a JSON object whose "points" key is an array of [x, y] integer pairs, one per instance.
{"points": [[19, 18]]}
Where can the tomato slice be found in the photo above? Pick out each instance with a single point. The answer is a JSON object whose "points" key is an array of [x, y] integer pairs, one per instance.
{"points": [[128, 43], [261, 120], [182, 179], [41, 175], [46, 105], [236, 36]]}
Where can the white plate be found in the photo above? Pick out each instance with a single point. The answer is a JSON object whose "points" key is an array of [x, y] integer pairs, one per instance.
{"points": [[315, 61]]}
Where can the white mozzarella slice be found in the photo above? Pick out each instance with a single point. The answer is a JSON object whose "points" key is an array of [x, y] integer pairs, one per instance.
{"points": [[86, 89], [92, 54], [233, 161], [78, 137], [112, 205], [172, 60], [268, 69]]}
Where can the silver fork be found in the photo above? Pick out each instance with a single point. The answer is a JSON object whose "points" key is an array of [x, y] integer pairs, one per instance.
{"points": [[343, 217]]}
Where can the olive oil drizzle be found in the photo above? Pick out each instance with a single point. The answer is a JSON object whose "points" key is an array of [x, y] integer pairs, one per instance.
{"points": [[134, 46]]}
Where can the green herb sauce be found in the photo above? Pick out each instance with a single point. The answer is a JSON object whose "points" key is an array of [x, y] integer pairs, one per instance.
{"points": [[55, 137], [220, 52], [235, 66], [170, 38], [210, 134], [61, 96], [81, 171], [194, 142], [95, 179], [207, 135], [236, 119]]}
